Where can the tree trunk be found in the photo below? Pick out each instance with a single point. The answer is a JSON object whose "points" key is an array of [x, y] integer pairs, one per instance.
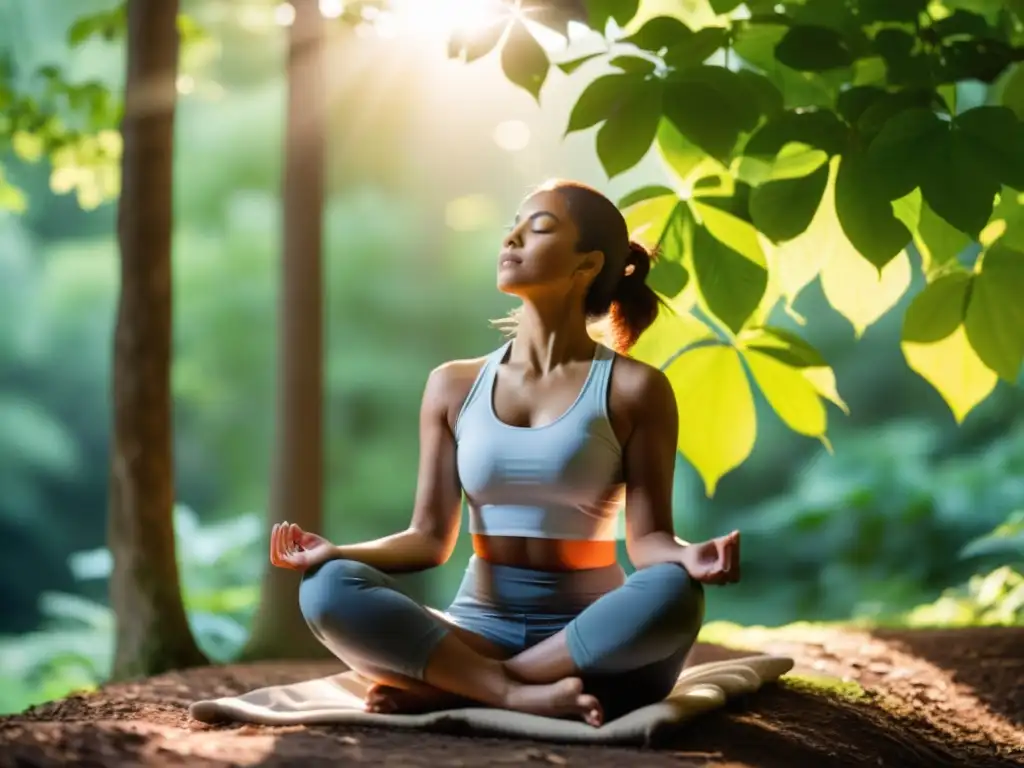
{"points": [[297, 474], [153, 634]]}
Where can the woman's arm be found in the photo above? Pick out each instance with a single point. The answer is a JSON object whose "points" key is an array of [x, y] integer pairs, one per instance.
{"points": [[649, 459], [430, 537]]}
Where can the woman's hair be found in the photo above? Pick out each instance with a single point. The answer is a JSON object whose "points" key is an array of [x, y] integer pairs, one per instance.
{"points": [[619, 292]]}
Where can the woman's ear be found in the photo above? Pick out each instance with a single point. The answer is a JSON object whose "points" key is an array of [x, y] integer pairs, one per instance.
{"points": [[590, 265]]}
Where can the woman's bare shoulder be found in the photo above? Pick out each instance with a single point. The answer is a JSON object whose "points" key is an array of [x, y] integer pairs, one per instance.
{"points": [[449, 384]]}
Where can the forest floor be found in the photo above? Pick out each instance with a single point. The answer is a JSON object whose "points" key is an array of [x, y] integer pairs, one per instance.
{"points": [[906, 699]]}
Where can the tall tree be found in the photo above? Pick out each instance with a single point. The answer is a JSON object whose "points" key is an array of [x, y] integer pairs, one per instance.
{"points": [[296, 492], [153, 634]]}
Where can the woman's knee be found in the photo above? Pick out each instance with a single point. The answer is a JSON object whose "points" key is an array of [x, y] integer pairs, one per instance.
{"points": [[680, 597], [331, 588]]}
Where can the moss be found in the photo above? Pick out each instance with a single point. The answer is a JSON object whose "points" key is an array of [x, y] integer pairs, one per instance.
{"points": [[847, 690]]}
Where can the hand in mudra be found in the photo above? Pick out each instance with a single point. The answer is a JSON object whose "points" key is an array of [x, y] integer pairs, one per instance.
{"points": [[716, 561], [296, 549]]}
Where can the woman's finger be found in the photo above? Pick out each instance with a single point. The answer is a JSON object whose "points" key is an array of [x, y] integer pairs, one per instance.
{"points": [[273, 545]]}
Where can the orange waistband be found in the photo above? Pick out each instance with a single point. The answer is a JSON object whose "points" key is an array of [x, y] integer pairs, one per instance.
{"points": [[569, 554]]}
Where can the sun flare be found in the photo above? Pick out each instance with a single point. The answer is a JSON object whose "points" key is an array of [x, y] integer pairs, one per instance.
{"points": [[439, 19]]}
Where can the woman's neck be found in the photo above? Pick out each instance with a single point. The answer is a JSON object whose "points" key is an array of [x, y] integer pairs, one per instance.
{"points": [[547, 337]]}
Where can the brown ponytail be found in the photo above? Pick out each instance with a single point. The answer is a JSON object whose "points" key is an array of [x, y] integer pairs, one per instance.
{"points": [[634, 306]]}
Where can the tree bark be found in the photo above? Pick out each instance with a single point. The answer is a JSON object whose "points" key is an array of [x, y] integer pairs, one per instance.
{"points": [[153, 633], [297, 473]]}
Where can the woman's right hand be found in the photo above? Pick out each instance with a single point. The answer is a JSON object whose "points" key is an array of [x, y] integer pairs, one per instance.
{"points": [[716, 561], [298, 550]]}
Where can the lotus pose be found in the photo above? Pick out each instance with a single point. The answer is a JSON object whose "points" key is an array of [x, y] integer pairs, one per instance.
{"points": [[546, 437]]}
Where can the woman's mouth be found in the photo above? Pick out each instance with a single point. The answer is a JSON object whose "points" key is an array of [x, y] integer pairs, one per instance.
{"points": [[508, 260]]}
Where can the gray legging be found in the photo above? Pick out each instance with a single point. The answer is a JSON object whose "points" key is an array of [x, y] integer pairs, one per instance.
{"points": [[628, 637]]}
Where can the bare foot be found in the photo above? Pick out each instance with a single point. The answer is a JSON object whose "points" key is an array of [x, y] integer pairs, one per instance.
{"points": [[389, 700], [566, 697]]}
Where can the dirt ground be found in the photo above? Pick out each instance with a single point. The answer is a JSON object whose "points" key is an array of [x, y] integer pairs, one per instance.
{"points": [[922, 699]]}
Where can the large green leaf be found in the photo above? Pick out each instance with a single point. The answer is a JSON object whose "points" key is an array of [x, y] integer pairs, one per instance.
{"points": [[670, 335], [938, 242], [809, 48], [994, 320], [789, 393], [998, 136], [680, 154], [797, 353], [819, 128], [1012, 95], [600, 99], [898, 153], [717, 421], [949, 363], [523, 60], [726, 108], [659, 33], [629, 131], [784, 208], [600, 11], [959, 181], [865, 213], [728, 265], [697, 48]]}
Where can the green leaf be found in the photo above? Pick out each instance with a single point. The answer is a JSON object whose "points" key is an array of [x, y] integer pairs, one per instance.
{"points": [[907, 11], [938, 310], [728, 265], [599, 100], [958, 183], [854, 287], [600, 11], [865, 214], [994, 320], [696, 48], [571, 66], [784, 345], [725, 6], [816, 128], [680, 154], [938, 242], [523, 60], [962, 23], [784, 209], [949, 364], [1012, 95], [629, 131], [726, 108], [670, 335], [659, 33], [642, 194], [789, 393], [764, 92], [633, 65], [28, 146], [898, 153], [669, 278], [717, 421], [795, 160], [999, 138], [808, 48]]}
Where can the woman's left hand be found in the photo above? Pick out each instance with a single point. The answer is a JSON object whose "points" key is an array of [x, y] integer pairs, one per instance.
{"points": [[716, 561], [298, 550]]}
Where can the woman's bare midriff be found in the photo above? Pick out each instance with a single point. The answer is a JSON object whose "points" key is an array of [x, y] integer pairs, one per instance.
{"points": [[544, 554]]}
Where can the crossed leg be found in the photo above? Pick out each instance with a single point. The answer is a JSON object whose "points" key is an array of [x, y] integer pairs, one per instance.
{"points": [[363, 617], [640, 632]]}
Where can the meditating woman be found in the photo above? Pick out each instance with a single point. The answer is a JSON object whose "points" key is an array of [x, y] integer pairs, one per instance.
{"points": [[546, 437]]}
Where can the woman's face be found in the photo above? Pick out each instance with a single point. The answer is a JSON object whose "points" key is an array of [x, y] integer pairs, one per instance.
{"points": [[539, 253]]}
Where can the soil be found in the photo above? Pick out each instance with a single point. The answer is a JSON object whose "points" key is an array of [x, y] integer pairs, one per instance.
{"points": [[905, 699]]}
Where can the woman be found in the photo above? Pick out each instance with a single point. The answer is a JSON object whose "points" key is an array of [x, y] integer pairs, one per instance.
{"points": [[545, 436]]}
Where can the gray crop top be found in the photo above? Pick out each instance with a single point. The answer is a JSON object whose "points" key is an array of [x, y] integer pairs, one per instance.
{"points": [[561, 480]]}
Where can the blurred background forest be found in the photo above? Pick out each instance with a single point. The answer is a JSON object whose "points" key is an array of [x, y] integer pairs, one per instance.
{"points": [[428, 160]]}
